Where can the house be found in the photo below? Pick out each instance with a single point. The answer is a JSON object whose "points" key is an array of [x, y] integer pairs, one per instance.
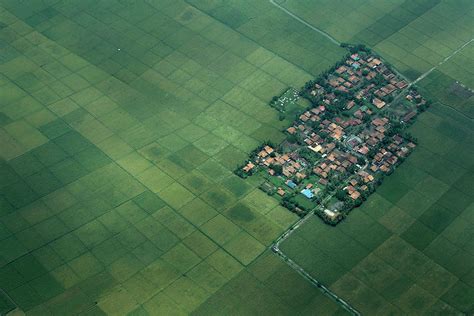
{"points": [[355, 195], [248, 167], [339, 143], [331, 214], [355, 57], [316, 149], [268, 149], [341, 70], [307, 193], [290, 184], [409, 116], [378, 103], [350, 104]]}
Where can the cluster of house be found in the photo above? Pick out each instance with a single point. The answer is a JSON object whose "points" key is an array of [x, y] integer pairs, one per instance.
{"points": [[350, 150], [358, 72]]}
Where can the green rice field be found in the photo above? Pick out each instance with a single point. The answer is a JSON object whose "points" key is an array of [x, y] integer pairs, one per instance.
{"points": [[413, 35], [121, 122], [120, 125]]}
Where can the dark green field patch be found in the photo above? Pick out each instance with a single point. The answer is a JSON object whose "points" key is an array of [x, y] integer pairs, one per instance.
{"points": [[241, 212], [437, 217], [419, 235]]}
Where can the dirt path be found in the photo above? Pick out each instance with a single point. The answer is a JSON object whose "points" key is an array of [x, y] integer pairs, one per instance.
{"points": [[276, 249], [329, 37], [442, 62], [276, 245]]}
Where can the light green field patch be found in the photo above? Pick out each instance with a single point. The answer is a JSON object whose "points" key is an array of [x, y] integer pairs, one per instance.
{"points": [[27, 136], [118, 300], [231, 157], [114, 147], [210, 144], [207, 277], [155, 179], [197, 212], [100, 106], [65, 276], [124, 267], [139, 288], [181, 257], [220, 229], [131, 212], [174, 222], [191, 132], [134, 163], [172, 142], [244, 247], [160, 273], [22, 107], [68, 247], [396, 220], [176, 195], [85, 265], [224, 263], [281, 216], [92, 233], [186, 293], [63, 107], [201, 245], [261, 201], [161, 304], [431, 187]]}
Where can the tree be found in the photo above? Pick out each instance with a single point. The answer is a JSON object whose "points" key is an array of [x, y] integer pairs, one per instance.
{"points": [[292, 139], [323, 134], [351, 169], [360, 161], [341, 195], [278, 169]]}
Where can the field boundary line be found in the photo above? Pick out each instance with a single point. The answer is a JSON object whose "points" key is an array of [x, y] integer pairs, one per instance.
{"points": [[423, 76], [276, 245], [8, 297], [276, 249], [329, 37]]}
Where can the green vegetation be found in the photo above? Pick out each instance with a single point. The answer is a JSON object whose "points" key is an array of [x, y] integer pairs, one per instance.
{"points": [[338, 149], [412, 35], [406, 250], [120, 126], [121, 123]]}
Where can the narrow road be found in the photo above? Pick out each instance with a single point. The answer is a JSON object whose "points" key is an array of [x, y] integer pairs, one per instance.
{"points": [[276, 245], [315, 282], [276, 249], [335, 41], [329, 37], [442, 62]]}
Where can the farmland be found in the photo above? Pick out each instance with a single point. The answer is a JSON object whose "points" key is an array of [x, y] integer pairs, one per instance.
{"points": [[120, 126], [408, 249], [121, 123], [412, 35]]}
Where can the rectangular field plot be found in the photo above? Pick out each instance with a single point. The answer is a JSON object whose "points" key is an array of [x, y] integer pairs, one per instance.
{"points": [[121, 123], [410, 242], [120, 126]]}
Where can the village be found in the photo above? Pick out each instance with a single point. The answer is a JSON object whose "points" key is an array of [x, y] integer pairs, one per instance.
{"points": [[339, 150]]}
